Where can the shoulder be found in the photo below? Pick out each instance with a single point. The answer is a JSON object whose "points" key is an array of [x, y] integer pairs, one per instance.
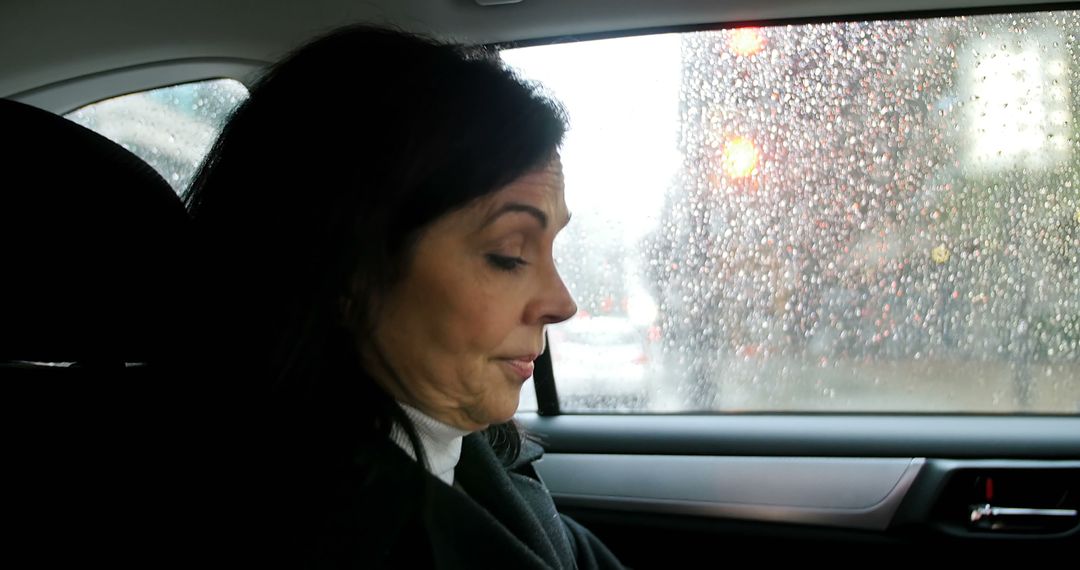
{"points": [[375, 516], [478, 444], [531, 452]]}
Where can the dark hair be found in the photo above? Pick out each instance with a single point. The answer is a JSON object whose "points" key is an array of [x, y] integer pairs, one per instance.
{"points": [[315, 192]]}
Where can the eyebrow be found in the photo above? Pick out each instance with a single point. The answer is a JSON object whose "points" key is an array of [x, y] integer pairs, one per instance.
{"points": [[518, 208]]}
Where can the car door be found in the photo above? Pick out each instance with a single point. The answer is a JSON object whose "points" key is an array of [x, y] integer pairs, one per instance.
{"points": [[848, 250]]}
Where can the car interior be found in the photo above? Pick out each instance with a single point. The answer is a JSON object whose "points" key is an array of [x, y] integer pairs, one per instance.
{"points": [[866, 347]]}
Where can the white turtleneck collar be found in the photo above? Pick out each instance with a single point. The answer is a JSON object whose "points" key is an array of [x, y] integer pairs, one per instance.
{"points": [[441, 442]]}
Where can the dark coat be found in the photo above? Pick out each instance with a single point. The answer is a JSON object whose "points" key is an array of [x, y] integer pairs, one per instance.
{"points": [[397, 515]]}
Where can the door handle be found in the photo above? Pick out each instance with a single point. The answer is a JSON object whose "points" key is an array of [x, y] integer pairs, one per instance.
{"points": [[1010, 518]]}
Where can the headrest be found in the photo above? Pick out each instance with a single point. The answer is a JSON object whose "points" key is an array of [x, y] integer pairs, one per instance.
{"points": [[92, 243]]}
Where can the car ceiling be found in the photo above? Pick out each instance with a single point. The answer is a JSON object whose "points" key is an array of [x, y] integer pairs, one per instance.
{"points": [[43, 42]]}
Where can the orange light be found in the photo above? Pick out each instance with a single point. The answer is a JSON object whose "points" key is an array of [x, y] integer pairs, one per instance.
{"points": [[740, 157], [746, 41]]}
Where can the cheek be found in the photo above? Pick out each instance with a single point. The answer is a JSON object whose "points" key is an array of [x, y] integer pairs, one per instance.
{"points": [[463, 310], [479, 323]]}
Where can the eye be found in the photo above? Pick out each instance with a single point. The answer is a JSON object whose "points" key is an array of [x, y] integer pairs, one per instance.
{"points": [[506, 263]]}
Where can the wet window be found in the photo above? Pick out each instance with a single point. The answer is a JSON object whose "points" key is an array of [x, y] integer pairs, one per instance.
{"points": [[864, 216], [171, 128]]}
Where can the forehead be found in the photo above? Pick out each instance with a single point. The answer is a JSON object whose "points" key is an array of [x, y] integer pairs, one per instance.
{"points": [[543, 188]]}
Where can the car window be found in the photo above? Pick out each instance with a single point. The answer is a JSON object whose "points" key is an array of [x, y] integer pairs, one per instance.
{"points": [[171, 128], [855, 216]]}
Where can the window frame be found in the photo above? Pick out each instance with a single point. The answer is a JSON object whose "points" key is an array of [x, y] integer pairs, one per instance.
{"points": [[72, 94], [544, 381]]}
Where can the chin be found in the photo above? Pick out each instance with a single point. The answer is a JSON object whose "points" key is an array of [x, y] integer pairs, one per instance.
{"points": [[505, 413]]}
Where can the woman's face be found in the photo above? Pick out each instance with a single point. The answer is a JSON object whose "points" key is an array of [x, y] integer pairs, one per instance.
{"points": [[462, 328]]}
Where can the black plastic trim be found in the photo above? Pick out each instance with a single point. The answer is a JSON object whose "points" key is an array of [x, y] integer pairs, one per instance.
{"points": [[547, 396], [833, 19], [960, 437], [918, 508]]}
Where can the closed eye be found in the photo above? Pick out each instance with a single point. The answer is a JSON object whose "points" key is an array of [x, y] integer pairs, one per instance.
{"points": [[506, 263]]}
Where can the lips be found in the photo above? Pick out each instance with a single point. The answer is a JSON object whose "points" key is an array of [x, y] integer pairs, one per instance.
{"points": [[521, 366]]}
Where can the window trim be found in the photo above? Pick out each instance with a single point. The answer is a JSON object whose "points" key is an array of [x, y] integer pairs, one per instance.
{"points": [[981, 9], [66, 96], [811, 435]]}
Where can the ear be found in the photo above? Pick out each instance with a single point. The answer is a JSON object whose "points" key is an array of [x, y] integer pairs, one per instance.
{"points": [[355, 314], [347, 303], [345, 311]]}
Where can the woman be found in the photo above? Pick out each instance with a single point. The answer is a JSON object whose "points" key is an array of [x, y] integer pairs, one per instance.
{"points": [[378, 219]]}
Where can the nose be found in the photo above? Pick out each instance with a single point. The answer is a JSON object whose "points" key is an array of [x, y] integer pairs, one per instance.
{"points": [[553, 302]]}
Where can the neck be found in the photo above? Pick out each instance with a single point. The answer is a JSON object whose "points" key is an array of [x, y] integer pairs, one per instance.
{"points": [[440, 442]]}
